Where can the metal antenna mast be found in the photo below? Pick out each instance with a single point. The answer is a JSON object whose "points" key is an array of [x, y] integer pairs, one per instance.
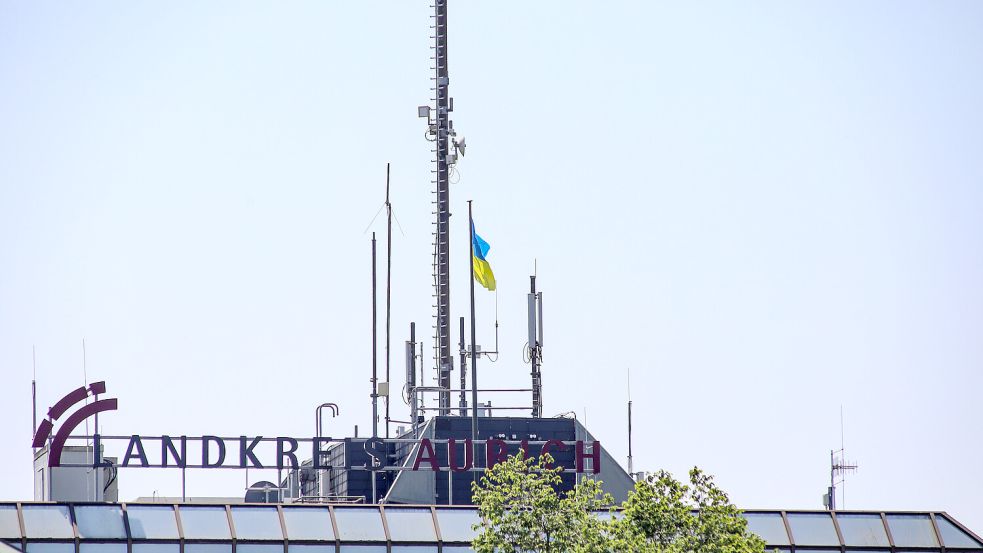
{"points": [[389, 280], [440, 131], [34, 391], [631, 465], [535, 300], [837, 467]]}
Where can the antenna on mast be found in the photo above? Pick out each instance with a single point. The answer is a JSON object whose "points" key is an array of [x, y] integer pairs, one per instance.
{"points": [[535, 306], [374, 380], [34, 392], [440, 131], [838, 467], [411, 376], [389, 269], [631, 466]]}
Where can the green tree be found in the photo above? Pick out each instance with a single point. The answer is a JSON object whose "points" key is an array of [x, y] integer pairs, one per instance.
{"points": [[665, 515], [522, 510]]}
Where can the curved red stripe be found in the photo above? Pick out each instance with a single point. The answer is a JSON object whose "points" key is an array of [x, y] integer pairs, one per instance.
{"points": [[64, 403], [44, 430], [54, 456]]}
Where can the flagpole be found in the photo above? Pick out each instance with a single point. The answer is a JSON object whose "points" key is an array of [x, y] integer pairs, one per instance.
{"points": [[389, 270], [474, 353]]}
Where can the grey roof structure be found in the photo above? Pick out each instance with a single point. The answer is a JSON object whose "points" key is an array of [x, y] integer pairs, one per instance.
{"points": [[286, 528]]}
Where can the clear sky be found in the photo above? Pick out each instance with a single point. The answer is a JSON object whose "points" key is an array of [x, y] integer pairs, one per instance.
{"points": [[768, 210]]}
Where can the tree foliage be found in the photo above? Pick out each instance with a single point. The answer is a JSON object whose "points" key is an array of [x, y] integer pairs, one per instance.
{"points": [[522, 510]]}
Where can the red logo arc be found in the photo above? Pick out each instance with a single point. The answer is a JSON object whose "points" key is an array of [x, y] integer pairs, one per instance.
{"points": [[71, 423]]}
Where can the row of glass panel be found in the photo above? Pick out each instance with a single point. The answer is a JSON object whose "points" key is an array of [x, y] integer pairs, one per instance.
{"points": [[258, 523], [167, 522], [218, 547], [860, 530]]}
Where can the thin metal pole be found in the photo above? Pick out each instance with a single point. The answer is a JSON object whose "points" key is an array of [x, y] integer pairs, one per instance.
{"points": [[474, 352], [631, 468], [411, 373], [463, 402], [34, 392], [389, 269], [375, 378]]}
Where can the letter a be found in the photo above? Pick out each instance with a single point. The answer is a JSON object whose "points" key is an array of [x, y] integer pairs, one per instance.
{"points": [[426, 446]]}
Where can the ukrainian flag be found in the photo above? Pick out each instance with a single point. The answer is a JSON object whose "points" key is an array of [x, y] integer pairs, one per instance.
{"points": [[479, 265]]}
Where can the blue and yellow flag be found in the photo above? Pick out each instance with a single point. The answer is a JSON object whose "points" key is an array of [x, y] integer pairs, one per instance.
{"points": [[482, 270]]}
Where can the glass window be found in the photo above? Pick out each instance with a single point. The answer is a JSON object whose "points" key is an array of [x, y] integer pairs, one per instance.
{"points": [[9, 526], [259, 547], [414, 548], [204, 523], [257, 523], [863, 530], [408, 524], [152, 522], [309, 548], [47, 521], [363, 548], [208, 547], [457, 549], [912, 531], [812, 529], [455, 524], [768, 526], [359, 524], [50, 547], [102, 548], [100, 521], [308, 523], [952, 535], [156, 548]]}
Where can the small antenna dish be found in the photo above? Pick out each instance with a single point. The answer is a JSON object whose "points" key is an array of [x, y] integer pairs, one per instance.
{"points": [[263, 492], [461, 146]]}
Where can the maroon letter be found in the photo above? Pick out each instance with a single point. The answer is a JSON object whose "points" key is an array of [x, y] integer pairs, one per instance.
{"points": [[430, 458], [452, 455], [595, 455], [495, 451], [560, 446]]}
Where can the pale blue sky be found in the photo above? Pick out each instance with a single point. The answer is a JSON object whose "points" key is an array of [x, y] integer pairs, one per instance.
{"points": [[766, 209]]}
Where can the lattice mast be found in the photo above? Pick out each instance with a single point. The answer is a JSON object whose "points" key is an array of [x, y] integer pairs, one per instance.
{"points": [[441, 129]]}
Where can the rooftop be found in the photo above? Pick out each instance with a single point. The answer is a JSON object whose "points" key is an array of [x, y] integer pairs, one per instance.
{"points": [[195, 528]]}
